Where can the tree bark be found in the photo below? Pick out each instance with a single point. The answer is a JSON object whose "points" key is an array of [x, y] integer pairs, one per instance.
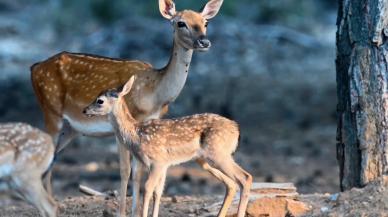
{"points": [[362, 82]]}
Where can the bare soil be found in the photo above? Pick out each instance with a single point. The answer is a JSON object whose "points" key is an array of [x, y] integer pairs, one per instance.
{"points": [[370, 201]]}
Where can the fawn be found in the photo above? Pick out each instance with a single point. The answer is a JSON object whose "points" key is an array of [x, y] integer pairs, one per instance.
{"points": [[25, 155], [207, 138]]}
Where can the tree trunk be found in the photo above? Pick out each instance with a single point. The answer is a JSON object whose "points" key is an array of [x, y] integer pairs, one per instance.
{"points": [[362, 82]]}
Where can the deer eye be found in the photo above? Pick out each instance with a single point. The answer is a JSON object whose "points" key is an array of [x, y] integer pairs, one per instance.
{"points": [[181, 24], [206, 24], [100, 101]]}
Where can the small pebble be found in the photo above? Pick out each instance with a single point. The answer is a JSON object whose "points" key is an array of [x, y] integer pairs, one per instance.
{"points": [[334, 197], [325, 209], [91, 167], [174, 199]]}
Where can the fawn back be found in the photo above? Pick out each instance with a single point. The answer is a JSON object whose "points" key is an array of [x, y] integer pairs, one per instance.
{"points": [[174, 141]]}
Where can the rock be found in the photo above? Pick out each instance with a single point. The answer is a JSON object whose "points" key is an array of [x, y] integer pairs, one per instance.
{"points": [[175, 199], [92, 167], [107, 213], [296, 208], [384, 180], [325, 209], [275, 207], [334, 197], [267, 189]]}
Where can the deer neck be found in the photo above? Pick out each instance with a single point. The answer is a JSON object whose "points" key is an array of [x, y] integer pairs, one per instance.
{"points": [[174, 74], [124, 124]]}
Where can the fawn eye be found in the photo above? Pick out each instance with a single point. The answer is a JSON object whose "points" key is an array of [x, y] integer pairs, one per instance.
{"points": [[206, 24], [100, 101], [181, 24]]}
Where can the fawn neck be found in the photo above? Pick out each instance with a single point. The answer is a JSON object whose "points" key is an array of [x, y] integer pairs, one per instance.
{"points": [[123, 123], [174, 74]]}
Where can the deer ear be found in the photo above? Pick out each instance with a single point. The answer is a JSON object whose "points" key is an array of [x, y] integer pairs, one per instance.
{"points": [[167, 8], [127, 87], [211, 9]]}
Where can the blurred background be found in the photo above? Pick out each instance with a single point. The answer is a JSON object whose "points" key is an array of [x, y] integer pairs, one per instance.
{"points": [[270, 68]]}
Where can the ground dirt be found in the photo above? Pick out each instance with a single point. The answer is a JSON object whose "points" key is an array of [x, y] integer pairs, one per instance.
{"points": [[371, 201]]}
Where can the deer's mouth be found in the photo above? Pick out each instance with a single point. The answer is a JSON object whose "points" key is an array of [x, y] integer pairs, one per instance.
{"points": [[201, 49], [201, 46], [87, 113]]}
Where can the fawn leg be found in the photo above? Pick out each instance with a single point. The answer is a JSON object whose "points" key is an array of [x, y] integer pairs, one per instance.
{"points": [[228, 166], [150, 185], [125, 170], [229, 183], [159, 191], [34, 192], [137, 174]]}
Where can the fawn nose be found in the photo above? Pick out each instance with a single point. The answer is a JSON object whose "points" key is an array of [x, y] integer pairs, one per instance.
{"points": [[203, 42]]}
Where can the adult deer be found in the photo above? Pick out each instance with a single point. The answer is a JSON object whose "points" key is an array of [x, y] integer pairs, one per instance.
{"points": [[67, 82]]}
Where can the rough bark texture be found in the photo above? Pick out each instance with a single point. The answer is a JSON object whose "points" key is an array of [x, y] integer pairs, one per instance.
{"points": [[362, 79]]}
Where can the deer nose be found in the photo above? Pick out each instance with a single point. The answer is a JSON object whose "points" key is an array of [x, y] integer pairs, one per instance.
{"points": [[84, 111], [203, 42]]}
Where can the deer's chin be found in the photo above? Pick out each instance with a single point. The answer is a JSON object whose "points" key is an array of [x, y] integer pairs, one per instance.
{"points": [[198, 47], [90, 115], [202, 49]]}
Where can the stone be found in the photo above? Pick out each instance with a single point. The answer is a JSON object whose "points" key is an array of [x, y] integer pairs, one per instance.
{"points": [[275, 207]]}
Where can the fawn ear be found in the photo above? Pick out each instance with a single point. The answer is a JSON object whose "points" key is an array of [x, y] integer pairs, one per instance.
{"points": [[167, 8], [211, 9], [127, 87]]}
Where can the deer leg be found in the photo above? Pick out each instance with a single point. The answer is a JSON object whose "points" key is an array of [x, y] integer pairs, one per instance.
{"points": [[125, 170], [34, 192], [52, 124], [228, 166], [159, 191], [150, 185], [229, 183], [47, 180], [65, 136], [137, 175]]}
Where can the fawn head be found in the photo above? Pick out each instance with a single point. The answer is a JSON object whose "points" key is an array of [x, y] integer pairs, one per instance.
{"points": [[108, 100], [190, 26]]}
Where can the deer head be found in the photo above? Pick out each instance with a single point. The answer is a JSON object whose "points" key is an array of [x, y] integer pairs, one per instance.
{"points": [[190, 26], [107, 101]]}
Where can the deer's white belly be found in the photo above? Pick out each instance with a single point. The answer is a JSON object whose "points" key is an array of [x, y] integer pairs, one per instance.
{"points": [[94, 127]]}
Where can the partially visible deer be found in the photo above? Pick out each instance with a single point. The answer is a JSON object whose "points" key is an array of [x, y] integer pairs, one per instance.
{"points": [[67, 82], [25, 154], [207, 138]]}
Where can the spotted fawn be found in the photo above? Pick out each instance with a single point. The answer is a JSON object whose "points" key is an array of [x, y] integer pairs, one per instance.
{"points": [[25, 155], [209, 139]]}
